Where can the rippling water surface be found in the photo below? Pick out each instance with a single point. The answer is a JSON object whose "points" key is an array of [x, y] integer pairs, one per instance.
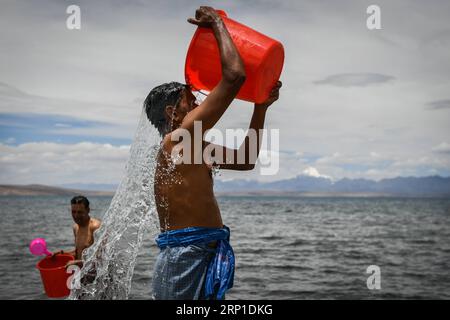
{"points": [[286, 247]]}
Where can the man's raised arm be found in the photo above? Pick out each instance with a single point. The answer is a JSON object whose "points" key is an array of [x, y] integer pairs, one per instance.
{"points": [[233, 73], [244, 158]]}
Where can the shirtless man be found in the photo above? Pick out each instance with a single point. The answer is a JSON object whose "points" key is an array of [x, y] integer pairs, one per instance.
{"points": [[196, 260], [83, 229]]}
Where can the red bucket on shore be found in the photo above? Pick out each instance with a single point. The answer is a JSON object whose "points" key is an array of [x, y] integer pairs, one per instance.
{"points": [[263, 58], [54, 276]]}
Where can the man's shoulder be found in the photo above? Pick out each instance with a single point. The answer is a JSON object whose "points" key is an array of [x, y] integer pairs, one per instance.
{"points": [[167, 143], [95, 223]]}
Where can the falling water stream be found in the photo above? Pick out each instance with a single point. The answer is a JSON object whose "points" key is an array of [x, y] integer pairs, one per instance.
{"points": [[109, 263]]}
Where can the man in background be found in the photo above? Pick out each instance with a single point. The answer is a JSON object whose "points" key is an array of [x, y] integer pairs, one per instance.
{"points": [[83, 229]]}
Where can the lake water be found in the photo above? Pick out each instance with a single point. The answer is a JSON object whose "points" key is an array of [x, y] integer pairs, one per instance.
{"points": [[286, 247]]}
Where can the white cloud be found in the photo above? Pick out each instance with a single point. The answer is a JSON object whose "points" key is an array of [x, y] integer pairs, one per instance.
{"points": [[355, 79], [56, 164], [10, 140], [439, 104], [104, 72], [13, 100], [62, 125], [444, 147], [312, 172]]}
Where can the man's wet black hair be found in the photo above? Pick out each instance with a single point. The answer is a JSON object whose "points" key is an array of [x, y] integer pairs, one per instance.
{"points": [[157, 100], [80, 199]]}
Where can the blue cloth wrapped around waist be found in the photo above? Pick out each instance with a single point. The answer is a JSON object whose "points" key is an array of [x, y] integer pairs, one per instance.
{"points": [[220, 273]]}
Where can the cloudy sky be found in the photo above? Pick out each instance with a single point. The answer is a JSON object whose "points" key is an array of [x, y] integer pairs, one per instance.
{"points": [[355, 103]]}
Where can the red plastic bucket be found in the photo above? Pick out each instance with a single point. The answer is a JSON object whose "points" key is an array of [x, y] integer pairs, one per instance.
{"points": [[54, 276], [263, 59]]}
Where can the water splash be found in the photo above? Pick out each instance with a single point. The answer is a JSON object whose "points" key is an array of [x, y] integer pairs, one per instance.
{"points": [[109, 263]]}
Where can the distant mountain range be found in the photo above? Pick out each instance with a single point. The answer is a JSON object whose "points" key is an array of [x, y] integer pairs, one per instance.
{"points": [[407, 186], [90, 186], [432, 186], [40, 190]]}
